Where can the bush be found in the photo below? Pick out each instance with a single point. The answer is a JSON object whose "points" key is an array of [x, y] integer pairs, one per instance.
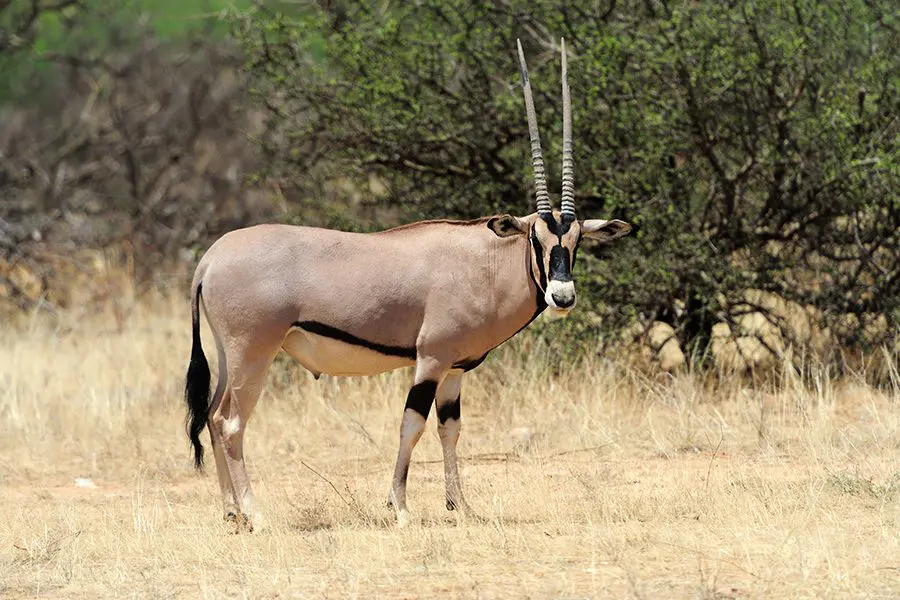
{"points": [[124, 132], [753, 143]]}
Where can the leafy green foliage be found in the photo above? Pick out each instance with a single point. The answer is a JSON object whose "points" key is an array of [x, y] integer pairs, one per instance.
{"points": [[39, 31], [753, 143], [115, 137]]}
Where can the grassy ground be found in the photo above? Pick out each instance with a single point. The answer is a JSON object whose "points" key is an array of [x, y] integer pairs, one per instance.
{"points": [[598, 482]]}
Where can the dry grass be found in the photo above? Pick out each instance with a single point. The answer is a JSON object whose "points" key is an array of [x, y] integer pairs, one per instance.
{"points": [[598, 482]]}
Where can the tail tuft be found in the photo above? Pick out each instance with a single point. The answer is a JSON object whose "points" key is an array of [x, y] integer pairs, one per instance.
{"points": [[196, 388]]}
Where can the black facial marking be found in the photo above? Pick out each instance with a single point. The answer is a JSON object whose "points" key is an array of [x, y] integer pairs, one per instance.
{"points": [[559, 228], [421, 397], [559, 264], [449, 411], [539, 255], [348, 338]]}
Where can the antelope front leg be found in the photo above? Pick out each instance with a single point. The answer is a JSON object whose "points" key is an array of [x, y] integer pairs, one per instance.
{"points": [[418, 403], [448, 412]]}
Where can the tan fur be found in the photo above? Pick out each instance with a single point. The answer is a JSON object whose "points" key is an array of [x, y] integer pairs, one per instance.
{"points": [[453, 291]]}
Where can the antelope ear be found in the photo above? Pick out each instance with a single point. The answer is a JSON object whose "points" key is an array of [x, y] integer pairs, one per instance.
{"points": [[507, 226], [605, 231]]}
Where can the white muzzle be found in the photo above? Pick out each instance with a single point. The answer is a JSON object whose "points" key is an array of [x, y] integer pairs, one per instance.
{"points": [[560, 296]]}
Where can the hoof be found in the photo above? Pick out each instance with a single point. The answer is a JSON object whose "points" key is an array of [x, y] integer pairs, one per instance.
{"points": [[463, 511], [462, 507], [240, 521], [403, 520]]}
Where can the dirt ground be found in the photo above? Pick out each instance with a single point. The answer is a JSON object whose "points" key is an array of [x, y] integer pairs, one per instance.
{"points": [[597, 482]]}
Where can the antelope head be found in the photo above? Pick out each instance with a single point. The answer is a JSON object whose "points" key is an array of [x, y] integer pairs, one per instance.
{"points": [[555, 235]]}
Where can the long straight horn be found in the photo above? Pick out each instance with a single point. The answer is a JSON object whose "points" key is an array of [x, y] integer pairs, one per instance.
{"points": [[540, 181], [568, 164]]}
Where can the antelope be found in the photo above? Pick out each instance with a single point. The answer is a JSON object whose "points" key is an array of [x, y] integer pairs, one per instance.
{"points": [[437, 295]]}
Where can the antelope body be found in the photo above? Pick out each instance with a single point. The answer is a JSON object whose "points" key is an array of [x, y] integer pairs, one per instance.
{"points": [[437, 295]]}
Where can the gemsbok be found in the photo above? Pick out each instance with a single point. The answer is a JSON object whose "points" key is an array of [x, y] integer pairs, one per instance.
{"points": [[438, 295]]}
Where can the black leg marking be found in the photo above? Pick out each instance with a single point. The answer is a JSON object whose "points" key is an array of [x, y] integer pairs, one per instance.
{"points": [[421, 397], [448, 411]]}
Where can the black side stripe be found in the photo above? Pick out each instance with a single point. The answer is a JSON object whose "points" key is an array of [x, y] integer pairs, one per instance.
{"points": [[410, 353], [348, 338]]}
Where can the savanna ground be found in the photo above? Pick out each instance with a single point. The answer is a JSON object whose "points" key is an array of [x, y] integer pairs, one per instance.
{"points": [[595, 482]]}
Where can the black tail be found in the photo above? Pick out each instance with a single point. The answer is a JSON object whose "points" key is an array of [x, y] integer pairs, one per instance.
{"points": [[196, 388]]}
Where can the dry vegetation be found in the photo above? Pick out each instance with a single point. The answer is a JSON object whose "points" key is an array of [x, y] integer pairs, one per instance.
{"points": [[595, 482]]}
